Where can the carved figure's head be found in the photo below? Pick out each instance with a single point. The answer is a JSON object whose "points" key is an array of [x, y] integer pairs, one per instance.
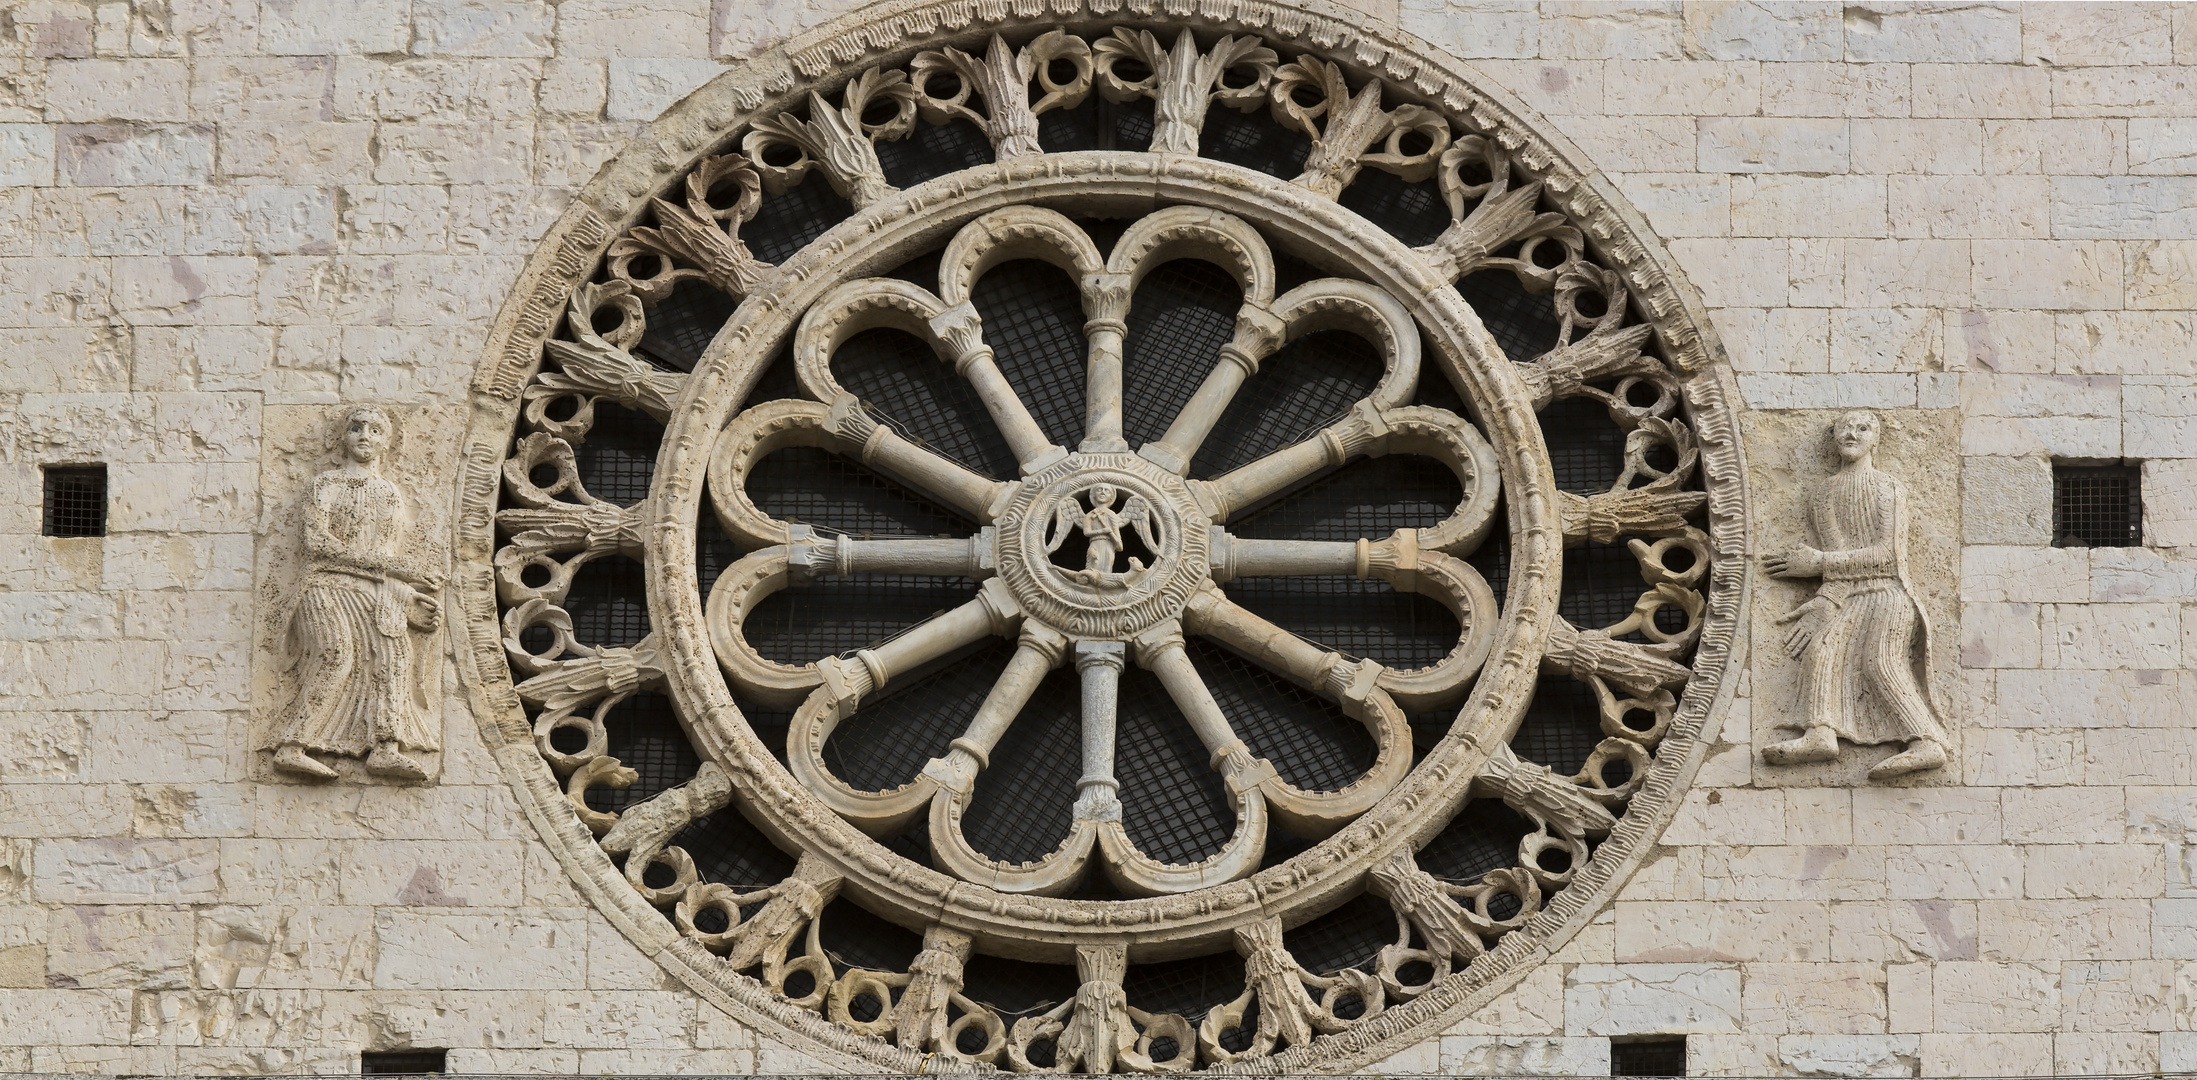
{"points": [[366, 433], [1855, 435], [1102, 497]]}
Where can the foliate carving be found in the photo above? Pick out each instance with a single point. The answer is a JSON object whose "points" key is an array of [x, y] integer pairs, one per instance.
{"points": [[1182, 81], [1109, 556], [1856, 638], [1001, 79], [699, 240], [875, 105], [364, 630]]}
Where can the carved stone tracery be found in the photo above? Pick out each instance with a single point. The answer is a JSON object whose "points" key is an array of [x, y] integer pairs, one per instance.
{"points": [[1107, 611]]}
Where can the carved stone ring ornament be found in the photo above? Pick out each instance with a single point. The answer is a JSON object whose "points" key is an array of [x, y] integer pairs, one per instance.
{"points": [[1102, 556]]}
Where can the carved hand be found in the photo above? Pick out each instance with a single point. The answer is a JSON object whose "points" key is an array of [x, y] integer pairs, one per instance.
{"points": [[1800, 561], [1809, 617]]}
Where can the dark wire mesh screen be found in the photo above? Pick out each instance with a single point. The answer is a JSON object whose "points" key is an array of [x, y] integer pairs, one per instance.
{"points": [[682, 324], [933, 150], [728, 849], [645, 736], [1307, 737], [608, 602], [1586, 450], [887, 741], [1254, 141], [1602, 582], [810, 485], [1482, 837], [1561, 727], [919, 394], [854, 938], [618, 459], [1368, 498], [1367, 619], [1305, 386], [1021, 809], [1664, 1055], [1017, 988], [787, 221], [1524, 324], [1181, 315], [403, 1062], [2096, 505], [1350, 936], [1097, 124], [1174, 806], [1188, 988], [1033, 320], [76, 500], [1414, 213], [837, 614]]}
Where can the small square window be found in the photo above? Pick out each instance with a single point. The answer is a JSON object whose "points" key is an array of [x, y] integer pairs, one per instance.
{"points": [[2097, 505], [76, 500], [1659, 1055], [403, 1062]]}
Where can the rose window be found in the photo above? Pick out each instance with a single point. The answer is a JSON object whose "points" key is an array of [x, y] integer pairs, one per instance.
{"points": [[1118, 550]]}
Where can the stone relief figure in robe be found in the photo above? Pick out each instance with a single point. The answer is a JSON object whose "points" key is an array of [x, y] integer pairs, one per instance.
{"points": [[1856, 637], [362, 631]]}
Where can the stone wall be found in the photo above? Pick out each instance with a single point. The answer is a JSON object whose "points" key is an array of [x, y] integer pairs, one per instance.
{"points": [[220, 218]]}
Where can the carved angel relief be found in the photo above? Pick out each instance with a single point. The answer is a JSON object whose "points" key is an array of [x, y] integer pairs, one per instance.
{"points": [[364, 630], [1856, 637]]}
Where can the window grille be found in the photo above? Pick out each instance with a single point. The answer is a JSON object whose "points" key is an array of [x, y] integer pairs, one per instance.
{"points": [[403, 1062], [2097, 505], [76, 500], [1663, 1055]]}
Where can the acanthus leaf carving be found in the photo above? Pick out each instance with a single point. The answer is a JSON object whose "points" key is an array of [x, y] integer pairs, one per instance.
{"points": [[598, 365], [1001, 78], [1501, 215], [1182, 81], [838, 139], [1312, 96], [700, 240]]}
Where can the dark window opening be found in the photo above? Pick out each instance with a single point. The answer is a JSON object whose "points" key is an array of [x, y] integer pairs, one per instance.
{"points": [[2097, 505], [403, 1062], [1658, 1055], [76, 500]]}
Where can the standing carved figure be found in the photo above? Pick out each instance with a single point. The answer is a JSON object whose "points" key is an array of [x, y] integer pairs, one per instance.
{"points": [[1855, 637], [362, 624]]}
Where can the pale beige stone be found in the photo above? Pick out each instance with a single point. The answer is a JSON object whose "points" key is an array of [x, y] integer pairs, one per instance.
{"points": [[1800, 205], [2043, 931], [1814, 999], [1506, 29], [1763, 31], [505, 950], [1510, 1055], [1998, 1054], [1672, 998], [1993, 92], [1903, 931]]}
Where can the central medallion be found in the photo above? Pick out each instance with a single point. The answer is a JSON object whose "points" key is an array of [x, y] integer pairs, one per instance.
{"points": [[1102, 546]]}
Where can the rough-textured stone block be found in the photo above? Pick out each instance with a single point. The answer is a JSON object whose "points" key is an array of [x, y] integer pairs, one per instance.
{"points": [[1666, 998]]}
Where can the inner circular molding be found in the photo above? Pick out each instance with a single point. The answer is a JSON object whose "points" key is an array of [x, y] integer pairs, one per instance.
{"points": [[1112, 542]]}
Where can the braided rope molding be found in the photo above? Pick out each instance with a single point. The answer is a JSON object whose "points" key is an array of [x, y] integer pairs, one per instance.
{"points": [[703, 124]]}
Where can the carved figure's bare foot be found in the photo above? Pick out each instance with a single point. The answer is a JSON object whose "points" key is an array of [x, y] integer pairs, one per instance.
{"points": [[1921, 755], [292, 758], [385, 761], [1817, 744]]}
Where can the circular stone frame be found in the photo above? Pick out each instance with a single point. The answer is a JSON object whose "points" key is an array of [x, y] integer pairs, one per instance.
{"points": [[890, 33]]}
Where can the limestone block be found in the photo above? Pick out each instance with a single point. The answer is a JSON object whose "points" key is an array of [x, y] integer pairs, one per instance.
{"points": [[504, 220], [1850, 1055], [573, 87], [62, 810], [2000, 341], [1907, 997], [1926, 816], [1746, 144], [639, 28], [111, 1060], [328, 290], [253, 89], [2078, 1053], [655, 1020], [1611, 31], [1418, 1059], [1721, 931], [118, 871], [2162, 813], [507, 950], [495, 152], [48, 747], [1902, 931], [1996, 635], [1759, 31], [2165, 147], [664, 1061], [434, 91], [2055, 147], [642, 88], [1953, 872], [394, 219], [2022, 758], [357, 812], [1884, 339], [2160, 273], [64, 1017], [567, 154], [1535, 1006], [1842, 391], [1987, 1054], [332, 27], [1506, 29], [210, 358], [1995, 92], [1771, 204], [2070, 35], [1977, 34], [2170, 502], [1696, 88], [2159, 419], [1994, 997], [191, 810], [2136, 207], [2107, 636], [2174, 929], [137, 947], [134, 89], [2122, 91], [179, 289], [777, 1059], [2024, 574], [403, 363], [1485, 1055], [615, 963], [539, 1061], [1940, 147], [265, 1060], [288, 947], [2178, 1051], [1596, 944], [51, 292], [1820, 89], [2044, 931], [123, 155], [2085, 871], [2141, 575], [1670, 998], [181, 561], [1554, 87], [26, 154], [58, 616], [2053, 436], [1723, 816], [475, 1019], [1839, 872], [2116, 995], [1736, 272], [2007, 500], [1983, 207], [463, 873], [482, 28]]}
